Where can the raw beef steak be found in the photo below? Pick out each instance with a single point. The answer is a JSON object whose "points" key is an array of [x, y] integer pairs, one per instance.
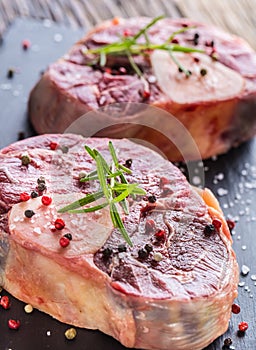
{"points": [[173, 288], [216, 104]]}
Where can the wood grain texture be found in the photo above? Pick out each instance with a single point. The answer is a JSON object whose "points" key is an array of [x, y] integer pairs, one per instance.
{"points": [[236, 16]]}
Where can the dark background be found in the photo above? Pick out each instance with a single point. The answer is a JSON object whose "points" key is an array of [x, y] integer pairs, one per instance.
{"points": [[232, 177]]}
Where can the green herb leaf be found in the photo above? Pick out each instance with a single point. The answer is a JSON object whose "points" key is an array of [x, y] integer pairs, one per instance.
{"points": [[95, 177], [90, 209], [129, 46], [184, 70], [115, 191], [127, 170], [150, 24], [118, 223], [103, 59], [102, 178], [89, 198], [124, 194], [182, 30], [90, 151], [113, 154]]}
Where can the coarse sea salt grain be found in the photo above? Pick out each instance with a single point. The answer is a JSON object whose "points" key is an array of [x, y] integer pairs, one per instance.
{"points": [[196, 180], [58, 37], [253, 277], [47, 23], [151, 79], [222, 191], [6, 86], [37, 230]]}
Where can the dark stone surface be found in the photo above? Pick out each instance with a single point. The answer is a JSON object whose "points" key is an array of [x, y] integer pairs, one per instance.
{"points": [[236, 192]]}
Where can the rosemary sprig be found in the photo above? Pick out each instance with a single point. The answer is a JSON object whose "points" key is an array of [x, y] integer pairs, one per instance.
{"points": [[114, 191], [129, 46]]}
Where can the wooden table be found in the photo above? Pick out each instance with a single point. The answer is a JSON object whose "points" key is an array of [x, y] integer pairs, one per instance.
{"points": [[237, 16]]}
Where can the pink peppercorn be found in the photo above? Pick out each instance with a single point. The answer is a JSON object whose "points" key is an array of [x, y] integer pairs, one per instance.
{"points": [[5, 302], [235, 309], [26, 44], [59, 224], [13, 324], [160, 235], [217, 224], [146, 94], [150, 225], [243, 326], [53, 146], [64, 242], [24, 196], [46, 200]]}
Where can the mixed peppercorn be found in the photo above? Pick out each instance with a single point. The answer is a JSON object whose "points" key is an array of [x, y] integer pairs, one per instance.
{"points": [[46, 200]]}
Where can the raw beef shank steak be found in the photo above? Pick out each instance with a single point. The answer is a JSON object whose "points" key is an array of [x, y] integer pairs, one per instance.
{"points": [[216, 103], [173, 288]]}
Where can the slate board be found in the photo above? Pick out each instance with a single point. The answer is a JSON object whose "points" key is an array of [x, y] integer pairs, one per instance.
{"points": [[231, 177]]}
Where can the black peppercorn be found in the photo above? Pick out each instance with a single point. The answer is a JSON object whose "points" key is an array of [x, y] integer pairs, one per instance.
{"points": [[34, 194], [128, 163], [148, 248], [68, 236], [10, 73], [41, 187], [227, 341], [195, 39], [29, 213], [122, 248], [203, 72], [41, 180], [106, 253], [152, 199], [142, 254], [240, 334], [209, 230]]}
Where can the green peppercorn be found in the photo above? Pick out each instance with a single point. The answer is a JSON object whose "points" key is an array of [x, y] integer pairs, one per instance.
{"points": [[64, 149], [25, 160]]}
